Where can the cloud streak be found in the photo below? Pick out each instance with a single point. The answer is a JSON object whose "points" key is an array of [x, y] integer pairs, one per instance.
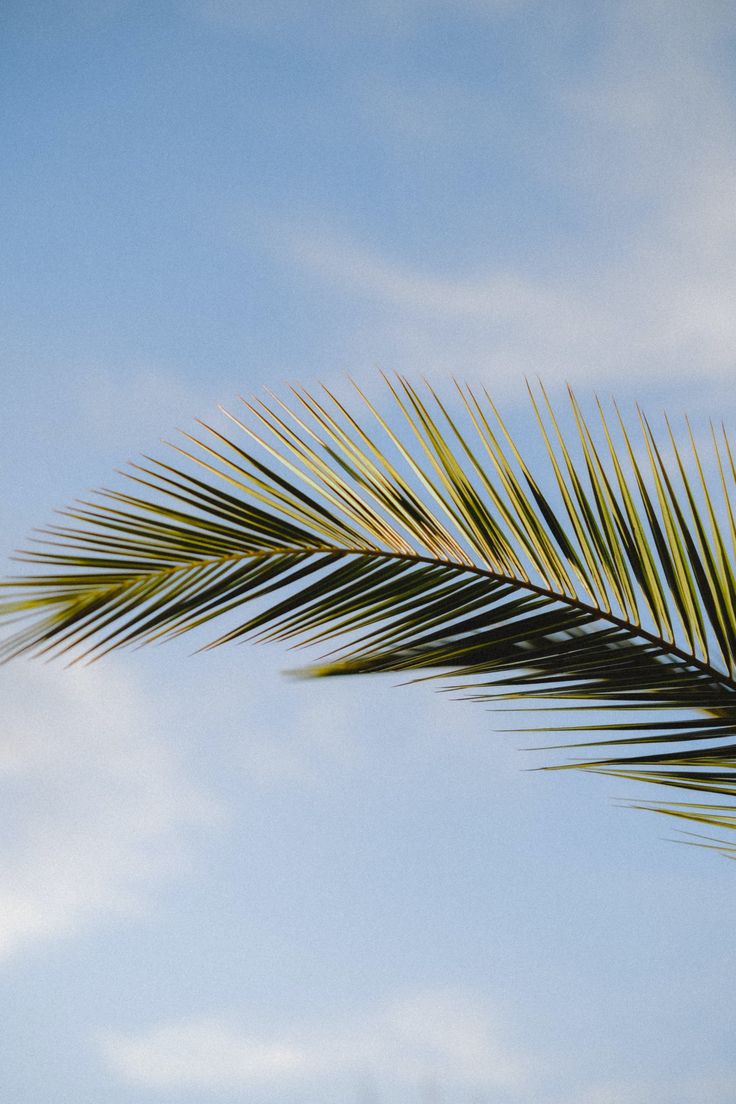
{"points": [[430, 1035], [643, 290]]}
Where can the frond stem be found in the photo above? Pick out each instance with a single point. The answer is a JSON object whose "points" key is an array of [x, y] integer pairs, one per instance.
{"points": [[664, 645]]}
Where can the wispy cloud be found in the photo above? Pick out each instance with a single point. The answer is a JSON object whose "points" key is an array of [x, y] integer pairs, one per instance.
{"points": [[445, 1036], [96, 808], [644, 289]]}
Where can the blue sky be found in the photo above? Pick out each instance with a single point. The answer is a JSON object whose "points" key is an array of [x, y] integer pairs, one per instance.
{"points": [[218, 884]]}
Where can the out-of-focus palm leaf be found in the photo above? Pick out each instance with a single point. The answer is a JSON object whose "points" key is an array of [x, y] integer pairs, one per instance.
{"points": [[419, 540]]}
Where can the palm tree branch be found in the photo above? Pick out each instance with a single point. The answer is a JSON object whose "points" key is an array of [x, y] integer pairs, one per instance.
{"points": [[430, 562]]}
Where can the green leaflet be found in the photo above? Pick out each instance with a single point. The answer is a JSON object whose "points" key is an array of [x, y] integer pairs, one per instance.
{"points": [[416, 538]]}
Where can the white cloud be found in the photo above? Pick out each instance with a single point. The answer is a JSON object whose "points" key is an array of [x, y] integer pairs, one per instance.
{"points": [[666, 308], [439, 1035], [96, 808], [485, 296], [435, 320], [647, 142]]}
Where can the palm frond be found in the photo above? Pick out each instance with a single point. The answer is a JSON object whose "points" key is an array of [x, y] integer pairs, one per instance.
{"points": [[420, 541]]}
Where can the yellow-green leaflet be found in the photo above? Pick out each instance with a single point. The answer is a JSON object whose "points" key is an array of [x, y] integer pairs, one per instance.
{"points": [[417, 536]]}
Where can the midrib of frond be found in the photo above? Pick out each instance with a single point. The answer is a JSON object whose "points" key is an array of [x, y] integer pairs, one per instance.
{"points": [[636, 630]]}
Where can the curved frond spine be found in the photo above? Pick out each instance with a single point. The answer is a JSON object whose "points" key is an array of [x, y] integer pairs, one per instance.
{"points": [[435, 550]]}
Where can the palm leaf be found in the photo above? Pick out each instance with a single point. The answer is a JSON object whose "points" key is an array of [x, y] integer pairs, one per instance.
{"points": [[417, 540]]}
